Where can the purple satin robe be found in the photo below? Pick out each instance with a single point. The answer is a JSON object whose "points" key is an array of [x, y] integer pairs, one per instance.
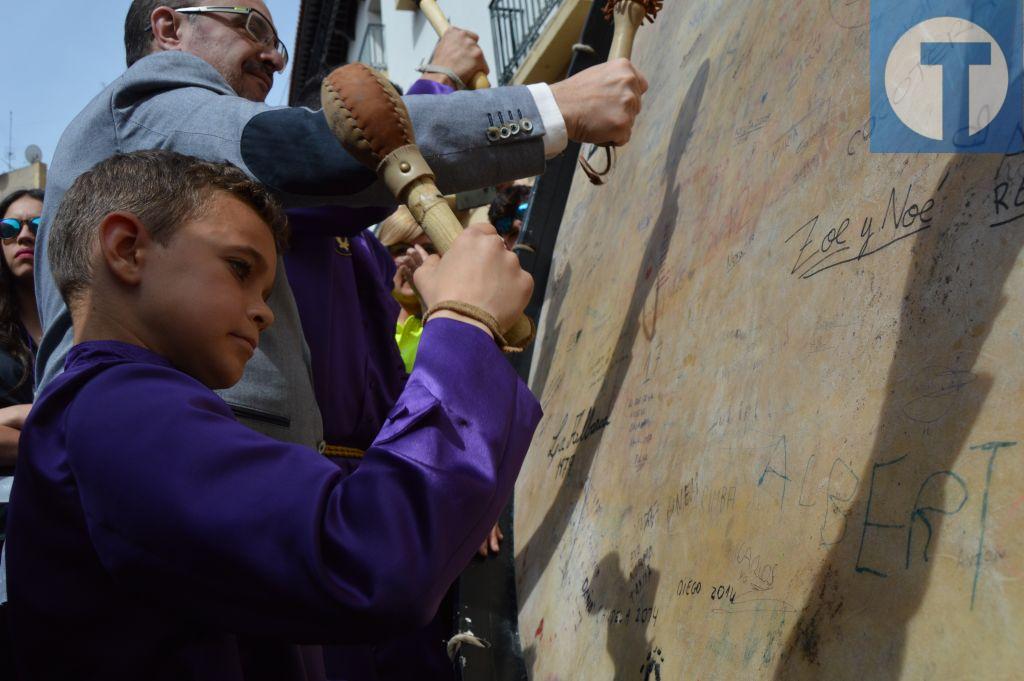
{"points": [[150, 532], [342, 283], [343, 292], [341, 276]]}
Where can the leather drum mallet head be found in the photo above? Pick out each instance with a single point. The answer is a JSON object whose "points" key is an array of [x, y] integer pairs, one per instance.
{"points": [[365, 113], [370, 120]]}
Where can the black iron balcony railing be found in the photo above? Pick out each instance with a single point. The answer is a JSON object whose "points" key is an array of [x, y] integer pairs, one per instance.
{"points": [[516, 24], [371, 51]]}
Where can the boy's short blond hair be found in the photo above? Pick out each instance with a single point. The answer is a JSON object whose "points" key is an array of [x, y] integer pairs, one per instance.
{"points": [[163, 189]]}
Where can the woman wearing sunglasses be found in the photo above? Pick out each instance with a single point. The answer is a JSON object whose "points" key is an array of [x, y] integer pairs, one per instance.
{"points": [[19, 318], [19, 333]]}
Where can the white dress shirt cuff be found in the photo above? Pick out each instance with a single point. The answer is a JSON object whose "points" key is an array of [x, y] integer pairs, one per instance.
{"points": [[555, 136]]}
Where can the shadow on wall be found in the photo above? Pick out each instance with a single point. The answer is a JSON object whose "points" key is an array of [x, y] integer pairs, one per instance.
{"points": [[552, 332], [874, 579], [626, 603], [536, 553]]}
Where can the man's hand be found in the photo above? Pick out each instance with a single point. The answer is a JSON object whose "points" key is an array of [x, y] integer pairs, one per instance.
{"points": [[478, 270], [459, 51], [599, 104]]}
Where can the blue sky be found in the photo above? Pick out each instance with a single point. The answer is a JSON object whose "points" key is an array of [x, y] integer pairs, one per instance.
{"points": [[61, 53]]}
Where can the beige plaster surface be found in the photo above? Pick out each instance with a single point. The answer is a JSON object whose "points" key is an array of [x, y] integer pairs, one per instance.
{"points": [[782, 382]]}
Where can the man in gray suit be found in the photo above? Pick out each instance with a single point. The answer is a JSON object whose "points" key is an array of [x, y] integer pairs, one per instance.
{"points": [[196, 83]]}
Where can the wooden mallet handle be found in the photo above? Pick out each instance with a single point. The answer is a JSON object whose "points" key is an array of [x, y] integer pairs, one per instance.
{"points": [[628, 16], [437, 19], [371, 121]]}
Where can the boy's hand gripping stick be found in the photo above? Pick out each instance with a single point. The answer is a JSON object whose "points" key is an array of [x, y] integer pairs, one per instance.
{"points": [[371, 121], [437, 19], [626, 15]]}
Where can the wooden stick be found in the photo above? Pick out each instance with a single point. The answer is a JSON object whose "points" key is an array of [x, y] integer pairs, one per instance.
{"points": [[437, 19], [439, 223], [435, 217], [371, 121], [627, 15]]}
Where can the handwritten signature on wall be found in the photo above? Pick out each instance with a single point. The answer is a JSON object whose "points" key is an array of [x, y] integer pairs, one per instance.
{"points": [[819, 251]]}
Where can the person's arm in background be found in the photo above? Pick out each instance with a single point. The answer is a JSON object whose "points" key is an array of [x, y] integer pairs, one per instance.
{"points": [[11, 421], [8, 446], [459, 51]]}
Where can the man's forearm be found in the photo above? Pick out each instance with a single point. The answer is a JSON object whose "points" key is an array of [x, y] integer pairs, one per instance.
{"points": [[293, 151]]}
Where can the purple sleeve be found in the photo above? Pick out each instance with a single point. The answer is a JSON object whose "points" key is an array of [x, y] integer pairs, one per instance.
{"points": [[425, 86], [185, 505], [334, 220]]}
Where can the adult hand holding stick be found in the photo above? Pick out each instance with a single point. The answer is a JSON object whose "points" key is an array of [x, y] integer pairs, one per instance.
{"points": [[437, 19], [372, 123], [627, 16]]}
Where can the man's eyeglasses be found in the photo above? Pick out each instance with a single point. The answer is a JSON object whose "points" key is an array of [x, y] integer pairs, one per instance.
{"points": [[11, 227], [503, 225], [257, 26]]}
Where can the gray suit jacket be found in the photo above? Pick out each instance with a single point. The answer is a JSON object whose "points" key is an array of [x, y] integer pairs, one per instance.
{"points": [[173, 100]]}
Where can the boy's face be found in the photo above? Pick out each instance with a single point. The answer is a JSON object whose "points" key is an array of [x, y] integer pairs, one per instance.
{"points": [[203, 295]]}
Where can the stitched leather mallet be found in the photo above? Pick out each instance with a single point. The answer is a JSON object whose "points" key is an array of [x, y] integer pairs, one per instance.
{"points": [[370, 120], [437, 19], [627, 16]]}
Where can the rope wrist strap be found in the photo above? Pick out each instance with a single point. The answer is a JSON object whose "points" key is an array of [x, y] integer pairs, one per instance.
{"points": [[477, 314], [593, 174], [444, 71]]}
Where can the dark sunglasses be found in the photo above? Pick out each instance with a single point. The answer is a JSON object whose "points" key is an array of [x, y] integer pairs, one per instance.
{"points": [[11, 227], [503, 225]]}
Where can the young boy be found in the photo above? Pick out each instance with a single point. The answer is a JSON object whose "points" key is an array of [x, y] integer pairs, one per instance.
{"points": [[151, 532]]}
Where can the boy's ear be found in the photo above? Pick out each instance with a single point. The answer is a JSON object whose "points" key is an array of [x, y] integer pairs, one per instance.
{"points": [[164, 23], [123, 243]]}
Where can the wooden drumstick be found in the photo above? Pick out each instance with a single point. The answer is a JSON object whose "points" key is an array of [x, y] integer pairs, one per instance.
{"points": [[432, 11], [371, 121], [627, 16]]}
